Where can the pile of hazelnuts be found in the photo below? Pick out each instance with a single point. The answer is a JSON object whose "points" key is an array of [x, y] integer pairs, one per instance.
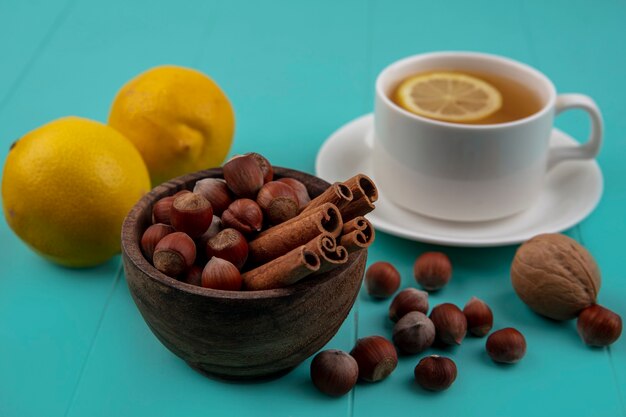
{"points": [[201, 236], [373, 358]]}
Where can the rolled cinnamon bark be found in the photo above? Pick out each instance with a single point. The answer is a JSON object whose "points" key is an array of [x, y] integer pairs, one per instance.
{"points": [[364, 194], [357, 234], [338, 194], [282, 271], [331, 255], [282, 238]]}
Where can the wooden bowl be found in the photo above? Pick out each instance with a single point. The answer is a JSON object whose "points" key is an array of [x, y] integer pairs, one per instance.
{"points": [[237, 334]]}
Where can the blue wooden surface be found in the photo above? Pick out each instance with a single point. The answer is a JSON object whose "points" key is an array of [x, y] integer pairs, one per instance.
{"points": [[72, 342]]}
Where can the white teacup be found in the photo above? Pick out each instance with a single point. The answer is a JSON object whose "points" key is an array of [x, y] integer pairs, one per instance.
{"points": [[469, 172]]}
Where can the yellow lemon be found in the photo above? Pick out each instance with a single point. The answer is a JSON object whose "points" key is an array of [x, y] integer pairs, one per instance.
{"points": [[67, 187], [449, 96], [178, 118]]}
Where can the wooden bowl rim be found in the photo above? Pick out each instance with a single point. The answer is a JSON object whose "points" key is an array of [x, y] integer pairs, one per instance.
{"points": [[132, 250]]}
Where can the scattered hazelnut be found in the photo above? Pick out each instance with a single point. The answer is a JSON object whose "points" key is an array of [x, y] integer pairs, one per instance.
{"points": [[376, 357], [599, 326], [334, 372], [219, 274], [174, 254], [414, 333], [266, 167], [479, 317], [193, 275], [301, 192], [506, 345], [152, 236], [216, 192], [229, 244], [161, 210], [244, 215], [555, 276], [192, 214], [450, 323], [382, 279], [278, 201], [243, 176], [407, 300], [432, 270], [435, 373]]}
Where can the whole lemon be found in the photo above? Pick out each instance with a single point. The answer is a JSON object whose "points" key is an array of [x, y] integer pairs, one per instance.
{"points": [[178, 118], [67, 187]]}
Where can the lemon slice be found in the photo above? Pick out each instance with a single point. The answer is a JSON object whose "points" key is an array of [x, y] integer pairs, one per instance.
{"points": [[449, 96]]}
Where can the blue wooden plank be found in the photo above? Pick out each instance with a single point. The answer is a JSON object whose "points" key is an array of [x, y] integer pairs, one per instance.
{"points": [[591, 62], [129, 372], [291, 83], [554, 377], [27, 28], [295, 72]]}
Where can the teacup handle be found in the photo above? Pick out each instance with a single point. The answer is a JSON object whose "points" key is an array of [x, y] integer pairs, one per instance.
{"points": [[589, 149]]}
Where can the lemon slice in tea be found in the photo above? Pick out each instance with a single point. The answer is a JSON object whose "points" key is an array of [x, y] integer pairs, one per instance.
{"points": [[449, 96]]}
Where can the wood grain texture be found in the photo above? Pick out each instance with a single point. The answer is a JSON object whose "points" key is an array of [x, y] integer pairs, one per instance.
{"points": [[237, 335]]}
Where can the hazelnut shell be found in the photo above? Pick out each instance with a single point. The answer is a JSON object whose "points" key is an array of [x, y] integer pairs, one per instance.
{"points": [[376, 357], [506, 345], [432, 270], [414, 333], [382, 279], [599, 326], [407, 300], [450, 324], [334, 372], [435, 373]]}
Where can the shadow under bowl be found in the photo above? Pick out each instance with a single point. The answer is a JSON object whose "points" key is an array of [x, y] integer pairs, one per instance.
{"points": [[237, 334]]}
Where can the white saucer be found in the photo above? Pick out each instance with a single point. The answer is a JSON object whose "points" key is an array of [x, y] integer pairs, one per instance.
{"points": [[572, 191]]}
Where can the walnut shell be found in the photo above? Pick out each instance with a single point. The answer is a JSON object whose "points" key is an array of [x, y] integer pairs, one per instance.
{"points": [[555, 276]]}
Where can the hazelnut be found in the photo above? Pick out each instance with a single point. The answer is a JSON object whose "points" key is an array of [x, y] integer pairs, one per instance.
{"points": [[555, 276], [407, 300], [152, 236], [278, 201], [243, 176], [216, 192], [450, 323], [214, 228], [376, 357], [414, 333], [479, 317], [301, 192], [599, 326], [435, 373], [432, 270], [174, 254], [193, 275], [219, 274], [244, 215], [192, 214], [334, 372], [264, 164], [161, 210], [506, 345], [382, 279], [229, 244]]}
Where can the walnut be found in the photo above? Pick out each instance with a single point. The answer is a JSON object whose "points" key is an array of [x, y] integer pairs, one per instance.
{"points": [[555, 276]]}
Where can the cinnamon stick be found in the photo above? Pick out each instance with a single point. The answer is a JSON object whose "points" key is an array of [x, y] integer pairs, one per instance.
{"points": [[282, 271], [331, 255], [364, 194], [357, 234], [282, 238], [338, 194]]}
